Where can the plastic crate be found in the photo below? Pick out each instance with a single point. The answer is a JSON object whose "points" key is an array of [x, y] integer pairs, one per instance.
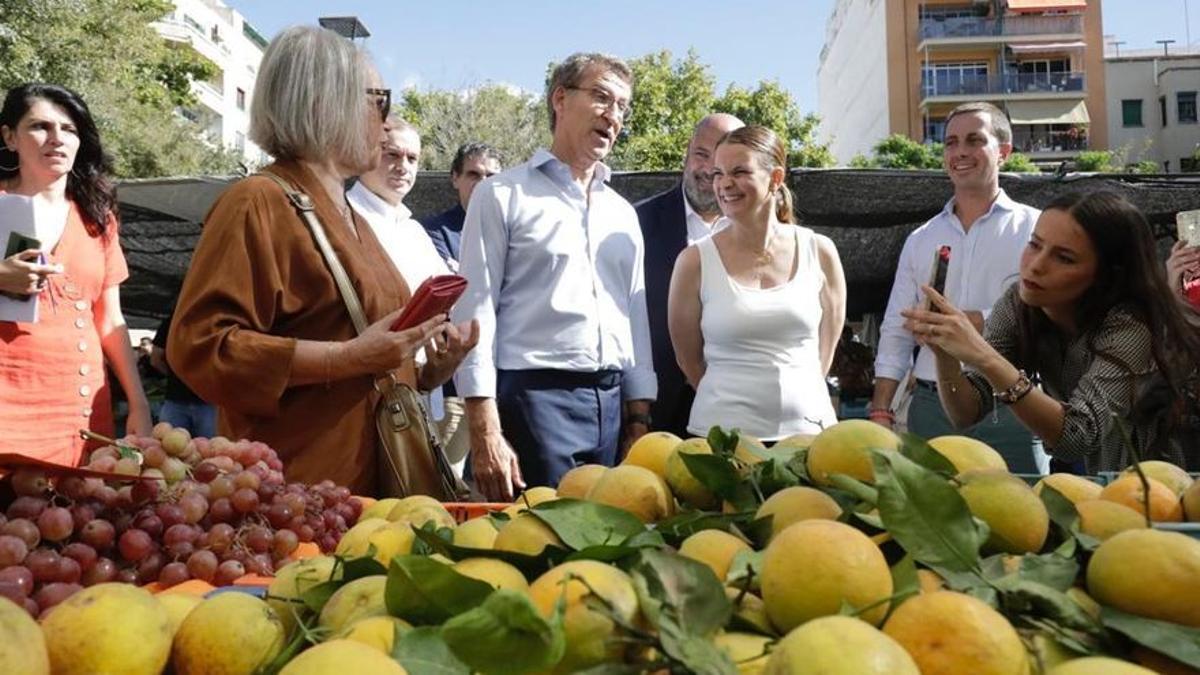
{"points": [[464, 511], [1190, 529], [1033, 478], [1110, 476]]}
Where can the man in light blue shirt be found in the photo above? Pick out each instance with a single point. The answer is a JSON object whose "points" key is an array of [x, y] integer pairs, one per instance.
{"points": [[986, 232], [554, 260]]}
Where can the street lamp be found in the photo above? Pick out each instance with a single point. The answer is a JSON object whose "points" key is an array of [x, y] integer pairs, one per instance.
{"points": [[347, 26]]}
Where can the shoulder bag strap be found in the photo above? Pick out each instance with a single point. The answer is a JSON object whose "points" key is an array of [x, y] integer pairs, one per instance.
{"points": [[304, 206]]}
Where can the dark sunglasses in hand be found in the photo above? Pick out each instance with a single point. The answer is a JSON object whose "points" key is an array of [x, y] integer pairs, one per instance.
{"points": [[383, 101]]}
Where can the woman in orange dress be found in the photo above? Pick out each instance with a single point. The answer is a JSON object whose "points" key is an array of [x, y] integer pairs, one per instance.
{"points": [[52, 380]]}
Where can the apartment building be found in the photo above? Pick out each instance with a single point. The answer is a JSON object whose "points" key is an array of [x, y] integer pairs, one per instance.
{"points": [[899, 66], [1152, 111], [220, 34]]}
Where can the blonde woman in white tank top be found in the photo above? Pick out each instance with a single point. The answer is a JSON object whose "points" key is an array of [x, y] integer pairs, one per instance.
{"points": [[755, 310]]}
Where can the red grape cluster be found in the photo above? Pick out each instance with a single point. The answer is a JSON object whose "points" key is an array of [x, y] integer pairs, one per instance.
{"points": [[215, 510]]}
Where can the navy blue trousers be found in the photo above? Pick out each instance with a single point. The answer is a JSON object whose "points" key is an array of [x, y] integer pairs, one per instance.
{"points": [[556, 420]]}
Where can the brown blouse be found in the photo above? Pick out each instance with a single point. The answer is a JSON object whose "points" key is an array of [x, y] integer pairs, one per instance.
{"points": [[256, 285]]}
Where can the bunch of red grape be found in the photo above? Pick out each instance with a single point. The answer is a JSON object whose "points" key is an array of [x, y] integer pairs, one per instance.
{"points": [[214, 510]]}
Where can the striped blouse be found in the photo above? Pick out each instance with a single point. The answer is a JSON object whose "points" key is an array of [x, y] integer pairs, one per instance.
{"points": [[1095, 390]]}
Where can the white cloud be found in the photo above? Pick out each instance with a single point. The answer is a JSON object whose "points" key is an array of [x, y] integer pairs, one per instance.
{"points": [[411, 81]]}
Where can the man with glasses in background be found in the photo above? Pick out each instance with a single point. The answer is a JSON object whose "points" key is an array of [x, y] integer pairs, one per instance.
{"points": [[562, 374]]}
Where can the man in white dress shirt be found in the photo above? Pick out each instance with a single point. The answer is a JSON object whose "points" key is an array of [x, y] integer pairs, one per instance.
{"points": [[562, 373], [986, 232], [378, 197]]}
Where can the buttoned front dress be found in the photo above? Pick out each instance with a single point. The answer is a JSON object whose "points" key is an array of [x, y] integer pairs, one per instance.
{"points": [[52, 381]]}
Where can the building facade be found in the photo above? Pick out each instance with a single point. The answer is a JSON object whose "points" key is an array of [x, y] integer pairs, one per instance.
{"points": [[899, 66], [221, 35], [1152, 111]]}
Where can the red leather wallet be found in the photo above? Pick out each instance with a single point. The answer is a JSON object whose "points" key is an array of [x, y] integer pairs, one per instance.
{"points": [[436, 295]]}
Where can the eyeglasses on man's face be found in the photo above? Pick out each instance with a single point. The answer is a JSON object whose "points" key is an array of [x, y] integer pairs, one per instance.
{"points": [[602, 99], [383, 101]]}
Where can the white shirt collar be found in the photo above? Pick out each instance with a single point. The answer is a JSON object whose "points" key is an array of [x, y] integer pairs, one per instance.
{"points": [[1002, 202], [368, 203], [559, 171], [697, 227]]}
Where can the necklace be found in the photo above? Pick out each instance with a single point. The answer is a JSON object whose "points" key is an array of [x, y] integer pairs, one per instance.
{"points": [[765, 256]]}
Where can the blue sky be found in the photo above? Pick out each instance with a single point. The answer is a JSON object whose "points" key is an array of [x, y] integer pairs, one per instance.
{"points": [[455, 44]]}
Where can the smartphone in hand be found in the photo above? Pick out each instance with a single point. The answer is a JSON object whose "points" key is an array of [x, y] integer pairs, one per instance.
{"points": [[937, 275], [1188, 224], [1188, 227], [18, 242]]}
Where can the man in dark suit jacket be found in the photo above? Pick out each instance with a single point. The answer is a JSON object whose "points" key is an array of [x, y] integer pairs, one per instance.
{"points": [[472, 163], [671, 221]]}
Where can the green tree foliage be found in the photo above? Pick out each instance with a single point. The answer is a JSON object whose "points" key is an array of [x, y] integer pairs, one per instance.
{"points": [[132, 80], [1018, 163], [1144, 166], [900, 152], [1100, 161], [771, 105], [668, 99], [513, 122]]}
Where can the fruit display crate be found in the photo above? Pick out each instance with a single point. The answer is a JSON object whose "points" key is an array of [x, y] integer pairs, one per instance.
{"points": [[1106, 477], [1190, 529], [1102, 477], [464, 511]]}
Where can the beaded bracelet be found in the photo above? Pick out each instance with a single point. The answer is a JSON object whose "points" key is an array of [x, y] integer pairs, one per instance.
{"points": [[881, 413]]}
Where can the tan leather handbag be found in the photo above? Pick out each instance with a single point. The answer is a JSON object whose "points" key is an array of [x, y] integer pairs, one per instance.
{"points": [[410, 458]]}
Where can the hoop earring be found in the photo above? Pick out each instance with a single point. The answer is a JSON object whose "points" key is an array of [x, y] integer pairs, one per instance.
{"points": [[11, 168]]}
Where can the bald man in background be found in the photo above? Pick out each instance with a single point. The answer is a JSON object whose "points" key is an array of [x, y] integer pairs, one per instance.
{"points": [[671, 221]]}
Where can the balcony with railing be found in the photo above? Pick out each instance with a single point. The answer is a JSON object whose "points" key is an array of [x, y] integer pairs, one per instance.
{"points": [[1048, 140], [1003, 85], [188, 30], [974, 28]]}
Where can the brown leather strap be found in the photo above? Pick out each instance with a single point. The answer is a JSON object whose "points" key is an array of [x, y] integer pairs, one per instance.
{"points": [[451, 486], [308, 213]]}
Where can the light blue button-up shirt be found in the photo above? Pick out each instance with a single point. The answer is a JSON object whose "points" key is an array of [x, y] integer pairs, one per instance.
{"points": [[984, 261], [555, 279]]}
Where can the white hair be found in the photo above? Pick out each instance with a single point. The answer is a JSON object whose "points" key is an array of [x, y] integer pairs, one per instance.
{"points": [[309, 98]]}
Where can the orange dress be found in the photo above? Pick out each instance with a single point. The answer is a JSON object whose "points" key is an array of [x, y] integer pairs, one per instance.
{"points": [[52, 380]]}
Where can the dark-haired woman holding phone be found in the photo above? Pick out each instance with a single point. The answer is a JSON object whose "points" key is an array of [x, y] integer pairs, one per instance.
{"points": [[52, 380], [1093, 319]]}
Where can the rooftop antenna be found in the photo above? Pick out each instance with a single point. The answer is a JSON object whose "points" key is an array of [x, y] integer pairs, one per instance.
{"points": [[1187, 24], [1166, 46]]}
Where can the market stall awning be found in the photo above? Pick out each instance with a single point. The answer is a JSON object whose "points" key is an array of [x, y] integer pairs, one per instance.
{"points": [[1043, 5], [1047, 47], [1048, 112]]}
